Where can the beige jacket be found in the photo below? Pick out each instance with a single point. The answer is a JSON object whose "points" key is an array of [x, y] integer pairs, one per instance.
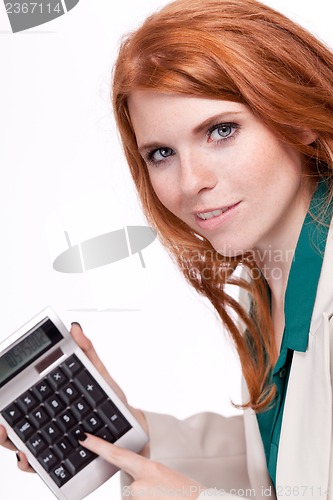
{"points": [[227, 455]]}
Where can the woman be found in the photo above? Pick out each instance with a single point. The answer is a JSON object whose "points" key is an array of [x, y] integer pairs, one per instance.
{"points": [[225, 112]]}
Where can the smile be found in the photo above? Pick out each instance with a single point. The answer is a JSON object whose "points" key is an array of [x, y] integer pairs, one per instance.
{"points": [[213, 213], [213, 219]]}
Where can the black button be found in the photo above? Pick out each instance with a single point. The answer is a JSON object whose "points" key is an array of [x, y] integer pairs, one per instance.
{"points": [[81, 408], [63, 448], [36, 444], [39, 417], [72, 366], [66, 421], [54, 405], [282, 372], [90, 388], [114, 418], [27, 402], [78, 459], [60, 475], [42, 391], [24, 429], [74, 435], [106, 434], [69, 394], [48, 460], [57, 378], [12, 414], [92, 423], [51, 433]]}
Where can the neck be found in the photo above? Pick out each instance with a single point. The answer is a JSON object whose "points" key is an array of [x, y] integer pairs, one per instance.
{"points": [[275, 256]]}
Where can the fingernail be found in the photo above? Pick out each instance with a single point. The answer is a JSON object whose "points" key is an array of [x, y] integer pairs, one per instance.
{"points": [[81, 436], [18, 457], [76, 323]]}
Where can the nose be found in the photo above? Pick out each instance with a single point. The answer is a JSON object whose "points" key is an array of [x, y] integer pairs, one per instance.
{"points": [[196, 173]]}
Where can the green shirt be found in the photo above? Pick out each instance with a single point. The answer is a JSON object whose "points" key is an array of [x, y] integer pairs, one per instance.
{"points": [[299, 301]]}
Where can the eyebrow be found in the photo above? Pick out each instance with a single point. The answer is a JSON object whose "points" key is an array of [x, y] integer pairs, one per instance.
{"points": [[212, 120]]}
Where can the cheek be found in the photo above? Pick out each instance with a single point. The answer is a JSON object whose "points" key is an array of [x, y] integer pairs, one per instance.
{"points": [[165, 191], [275, 165]]}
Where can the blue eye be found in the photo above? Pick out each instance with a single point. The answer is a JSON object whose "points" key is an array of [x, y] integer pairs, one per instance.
{"points": [[158, 155], [222, 131]]}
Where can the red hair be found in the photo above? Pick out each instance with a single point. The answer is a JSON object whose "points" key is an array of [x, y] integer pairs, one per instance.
{"points": [[243, 51]]}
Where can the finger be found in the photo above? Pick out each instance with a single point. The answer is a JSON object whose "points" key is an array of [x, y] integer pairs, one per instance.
{"points": [[5, 441], [23, 463], [87, 347], [125, 460]]}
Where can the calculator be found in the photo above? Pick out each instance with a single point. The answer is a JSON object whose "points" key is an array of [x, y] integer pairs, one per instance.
{"points": [[50, 393]]}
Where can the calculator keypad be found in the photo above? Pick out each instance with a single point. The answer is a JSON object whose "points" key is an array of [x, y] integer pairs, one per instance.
{"points": [[51, 415]]}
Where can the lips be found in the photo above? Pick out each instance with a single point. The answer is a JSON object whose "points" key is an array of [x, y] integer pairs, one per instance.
{"points": [[212, 213], [209, 213], [213, 218]]}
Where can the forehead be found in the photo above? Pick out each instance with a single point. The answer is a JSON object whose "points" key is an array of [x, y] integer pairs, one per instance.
{"points": [[141, 101]]}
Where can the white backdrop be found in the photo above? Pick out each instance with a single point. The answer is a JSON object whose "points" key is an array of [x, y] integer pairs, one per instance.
{"points": [[62, 170]]}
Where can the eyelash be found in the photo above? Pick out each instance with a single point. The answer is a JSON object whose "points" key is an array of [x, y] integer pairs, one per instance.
{"points": [[149, 157], [232, 125]]}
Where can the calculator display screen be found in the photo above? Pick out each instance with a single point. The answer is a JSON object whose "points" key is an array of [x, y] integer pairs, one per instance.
{"points": [[27, 350]]}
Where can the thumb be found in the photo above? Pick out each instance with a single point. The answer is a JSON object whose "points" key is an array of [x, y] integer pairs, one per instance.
{"points": [[124, 459]]}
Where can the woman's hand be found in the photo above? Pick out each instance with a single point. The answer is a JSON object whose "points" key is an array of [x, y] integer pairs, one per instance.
{"points": [[87, 347], [22, 461], [152, 480]]}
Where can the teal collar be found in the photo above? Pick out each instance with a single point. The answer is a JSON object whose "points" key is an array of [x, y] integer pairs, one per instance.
{"points": [[305, 271]]}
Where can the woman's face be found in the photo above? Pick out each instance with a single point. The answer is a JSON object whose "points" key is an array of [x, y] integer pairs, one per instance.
{"points": [[218, 168]]}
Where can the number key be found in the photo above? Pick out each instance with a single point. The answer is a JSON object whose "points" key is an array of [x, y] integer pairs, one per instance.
{"points": [[92, 423], [51, 433], [81, 408], [69, 394], [78, 459], [63, 448], [66, 421], [54, 406], [75, 434], [39, 417]]}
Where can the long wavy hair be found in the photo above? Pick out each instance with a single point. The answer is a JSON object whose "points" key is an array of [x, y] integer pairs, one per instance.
{"points": [[242, 51]]}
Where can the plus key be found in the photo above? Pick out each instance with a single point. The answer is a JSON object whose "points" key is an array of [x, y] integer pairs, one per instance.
{"points": [[90, 388]]}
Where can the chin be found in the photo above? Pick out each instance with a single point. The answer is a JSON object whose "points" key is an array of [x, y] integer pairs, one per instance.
{"points": [[229, 249]]}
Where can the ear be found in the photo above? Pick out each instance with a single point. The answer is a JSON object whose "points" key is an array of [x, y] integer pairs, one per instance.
{"points": [[306, 136]]}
